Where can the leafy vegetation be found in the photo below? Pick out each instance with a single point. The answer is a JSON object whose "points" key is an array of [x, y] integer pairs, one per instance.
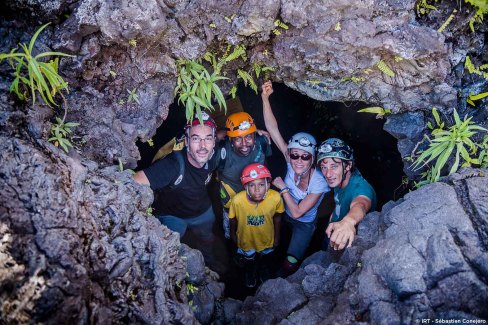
{"points": [[33, 74], [133, 96], [457, 141], [385, 68], [447, 22], [379, 111], [279, 27], [472, 98], [481, 7], [60, 132], [424, 7], [469, 65], [197, 87]]}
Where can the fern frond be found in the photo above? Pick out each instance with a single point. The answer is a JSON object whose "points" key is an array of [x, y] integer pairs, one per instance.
{"points": [[447, 22], [385, 68], [248, 79]]}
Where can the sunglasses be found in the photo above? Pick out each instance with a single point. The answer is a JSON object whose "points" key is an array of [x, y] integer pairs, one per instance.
{"points": [[305, 157]]}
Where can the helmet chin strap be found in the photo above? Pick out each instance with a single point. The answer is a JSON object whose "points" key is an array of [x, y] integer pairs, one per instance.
{"points": [[299, 176], [265, 193], [344, 173]]}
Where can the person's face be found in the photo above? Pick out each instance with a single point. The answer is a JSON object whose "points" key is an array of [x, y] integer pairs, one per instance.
{"points": [[243, 145], [333, 171], [300, 160], [200, 143], [257, 189]]}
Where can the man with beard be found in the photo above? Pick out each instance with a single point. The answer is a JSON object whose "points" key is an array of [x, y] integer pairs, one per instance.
{"points": [[182, 177], [243, 146]]}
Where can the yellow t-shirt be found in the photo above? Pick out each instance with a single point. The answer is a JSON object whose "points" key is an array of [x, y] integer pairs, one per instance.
{"points": [[255, 228]]}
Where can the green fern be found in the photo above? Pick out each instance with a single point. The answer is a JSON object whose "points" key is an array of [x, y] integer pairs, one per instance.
{"points": [[481, 7], [247, 78], [447, 22], [423, 7], [385, 68], [469, 65], [233, 91]]}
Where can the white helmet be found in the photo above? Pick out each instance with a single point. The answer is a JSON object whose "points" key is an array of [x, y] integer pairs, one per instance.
{"points": [[304, 141]]}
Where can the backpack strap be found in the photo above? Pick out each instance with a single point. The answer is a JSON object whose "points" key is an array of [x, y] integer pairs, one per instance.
{"points": [[261, 142], [181, 167]]}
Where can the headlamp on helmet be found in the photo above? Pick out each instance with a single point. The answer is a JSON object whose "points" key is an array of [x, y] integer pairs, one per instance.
{"points": [[206, 120], [303, 141], [240, 124], [334, 148], [254, 171]]}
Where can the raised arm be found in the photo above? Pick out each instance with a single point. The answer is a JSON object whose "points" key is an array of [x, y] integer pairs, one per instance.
{"points": [[270, 120]]}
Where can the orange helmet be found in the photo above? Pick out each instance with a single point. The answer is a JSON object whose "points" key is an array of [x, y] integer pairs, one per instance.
{"points": [[240, 124]]}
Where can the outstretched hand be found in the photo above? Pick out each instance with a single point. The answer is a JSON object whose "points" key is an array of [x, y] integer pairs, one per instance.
{"points": [[341, 233], [267, 90]]}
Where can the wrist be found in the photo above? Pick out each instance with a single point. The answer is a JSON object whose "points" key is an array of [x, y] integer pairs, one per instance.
{"points": [[284, 190], [350, 221]]}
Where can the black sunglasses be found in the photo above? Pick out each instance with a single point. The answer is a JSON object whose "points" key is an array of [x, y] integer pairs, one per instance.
{"points": [[305, 157]]}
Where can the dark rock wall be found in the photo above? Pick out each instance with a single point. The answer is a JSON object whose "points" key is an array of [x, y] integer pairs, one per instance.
{"points": [[132, 45], [423, 257], [75, 246], [76, 243]]}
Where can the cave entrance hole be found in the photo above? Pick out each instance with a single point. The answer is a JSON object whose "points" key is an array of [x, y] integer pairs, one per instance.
{"points": [[375, 153]]}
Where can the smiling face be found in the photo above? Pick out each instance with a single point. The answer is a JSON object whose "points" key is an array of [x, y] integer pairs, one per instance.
{"points": [[243, 145], [300, 165], [256, 189], [333, 170], [200, 143]]}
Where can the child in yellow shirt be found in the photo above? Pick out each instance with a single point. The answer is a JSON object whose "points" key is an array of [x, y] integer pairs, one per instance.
{"points": [[255, 219]]}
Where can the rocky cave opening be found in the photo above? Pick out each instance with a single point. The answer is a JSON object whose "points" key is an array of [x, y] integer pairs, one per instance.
{"points": [[375, 150]]}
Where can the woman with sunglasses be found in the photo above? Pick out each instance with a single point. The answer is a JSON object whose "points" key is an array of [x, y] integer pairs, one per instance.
{"points": [[303, 188]]}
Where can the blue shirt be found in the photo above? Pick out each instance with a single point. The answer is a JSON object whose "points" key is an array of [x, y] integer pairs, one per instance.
{"points": [[343, 196]]}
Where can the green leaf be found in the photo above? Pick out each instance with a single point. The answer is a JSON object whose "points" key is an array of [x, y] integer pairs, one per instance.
{"points": [[219, 96], [436, 116]]}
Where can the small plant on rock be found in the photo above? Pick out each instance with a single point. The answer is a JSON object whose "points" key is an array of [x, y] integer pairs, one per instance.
{"points": [[133, 96], [60, 132], [33, 74], [457, 140]]}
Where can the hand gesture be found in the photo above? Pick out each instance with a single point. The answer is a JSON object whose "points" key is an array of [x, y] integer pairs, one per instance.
{"points": [[279, 183], [341, 233], [267, 89]]}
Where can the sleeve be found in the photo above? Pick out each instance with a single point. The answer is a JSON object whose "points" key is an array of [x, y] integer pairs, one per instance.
{"points": [[280, 207], [365, 189], [318, 184], [232, 209], [162, 173], [220, 155]]}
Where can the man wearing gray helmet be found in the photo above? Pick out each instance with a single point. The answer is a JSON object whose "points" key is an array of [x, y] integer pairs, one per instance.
{"points": [[353, 195]]}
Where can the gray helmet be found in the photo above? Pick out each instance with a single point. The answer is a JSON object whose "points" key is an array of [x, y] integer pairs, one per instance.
{"points": [[334, 148], [304, 141]]}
